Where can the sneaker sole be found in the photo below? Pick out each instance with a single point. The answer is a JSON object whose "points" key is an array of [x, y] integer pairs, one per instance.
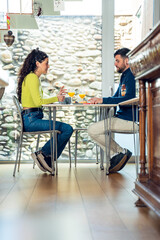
{"points": [[37, 162], [119, 165], [129, 154], [44, 164]]}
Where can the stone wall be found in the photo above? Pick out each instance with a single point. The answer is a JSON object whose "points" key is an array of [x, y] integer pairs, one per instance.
{"points": [[74, 48]]}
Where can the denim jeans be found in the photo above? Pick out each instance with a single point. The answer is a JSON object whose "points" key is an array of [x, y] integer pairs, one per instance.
{"points": [[34, 121]]}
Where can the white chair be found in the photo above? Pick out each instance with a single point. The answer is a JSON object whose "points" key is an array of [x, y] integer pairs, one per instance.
{"points": [[134, 103], [22, 133]]}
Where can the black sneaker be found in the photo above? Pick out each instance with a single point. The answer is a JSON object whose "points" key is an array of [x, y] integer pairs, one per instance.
{"points": [[35, 158], [128, 154], [45, 161], [119, 161], [48, 161]]}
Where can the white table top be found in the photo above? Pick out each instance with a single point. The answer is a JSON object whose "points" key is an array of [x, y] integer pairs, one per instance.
{"points": [[133, 101], [57, 105]]}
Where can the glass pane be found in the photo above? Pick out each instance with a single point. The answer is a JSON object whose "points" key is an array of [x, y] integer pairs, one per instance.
{"points": [[70, 60], [26, 6], [3, 20], [14, 6], [3, 5]]}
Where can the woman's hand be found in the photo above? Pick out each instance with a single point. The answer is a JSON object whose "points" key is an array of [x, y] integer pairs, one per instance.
{"points": [[60, 98], [61, 94], [95, 100], [62, 91]]}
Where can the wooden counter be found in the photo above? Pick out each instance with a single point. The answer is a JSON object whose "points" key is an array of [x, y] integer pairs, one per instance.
{"points": [[145, 65]]}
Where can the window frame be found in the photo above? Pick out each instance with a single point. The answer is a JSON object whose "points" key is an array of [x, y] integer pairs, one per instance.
{"points": [[22, 13]]}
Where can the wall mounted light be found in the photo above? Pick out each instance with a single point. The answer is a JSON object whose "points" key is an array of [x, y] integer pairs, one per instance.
{"points": [[9, 38]]}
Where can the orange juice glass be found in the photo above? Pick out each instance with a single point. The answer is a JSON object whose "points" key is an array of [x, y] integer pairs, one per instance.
{"points": [[82, 95], [71, 93]]}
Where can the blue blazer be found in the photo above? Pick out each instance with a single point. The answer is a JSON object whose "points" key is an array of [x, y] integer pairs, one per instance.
{"points": [[124, 112]]}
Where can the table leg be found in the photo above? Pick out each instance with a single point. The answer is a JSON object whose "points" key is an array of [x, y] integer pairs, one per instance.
{"points": [[107, 137], [76, 142], [101, 117], [96, 117], [54, 139], [50, 118], [135, 139], [109, 140], [102, 159]]}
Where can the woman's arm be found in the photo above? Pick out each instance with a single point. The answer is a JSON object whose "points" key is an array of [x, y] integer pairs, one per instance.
{"points": [[34, 86]]}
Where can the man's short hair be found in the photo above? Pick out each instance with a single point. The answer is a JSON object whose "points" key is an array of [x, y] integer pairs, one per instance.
{"points": [[122, 51]]}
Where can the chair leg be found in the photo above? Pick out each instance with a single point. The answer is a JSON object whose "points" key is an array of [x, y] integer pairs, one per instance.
{"points": [[51, 146], [37, 146], [20, 151], [76, 139], [56, 155], [97, 161], [15, 166], [102, 159], [17, 156], [69, 151]]}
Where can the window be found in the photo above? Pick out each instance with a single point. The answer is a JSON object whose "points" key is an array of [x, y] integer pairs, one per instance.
{"points": [[3, 20], [16, 6]]}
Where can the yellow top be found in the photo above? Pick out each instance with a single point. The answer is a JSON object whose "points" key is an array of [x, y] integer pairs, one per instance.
{"points": [[32, 94]]}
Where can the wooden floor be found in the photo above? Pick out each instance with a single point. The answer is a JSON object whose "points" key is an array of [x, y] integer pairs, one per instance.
{"points": [[78, 204]]}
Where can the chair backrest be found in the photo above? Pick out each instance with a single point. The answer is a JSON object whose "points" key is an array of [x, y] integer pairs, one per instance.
{"points": [[19, 110]]}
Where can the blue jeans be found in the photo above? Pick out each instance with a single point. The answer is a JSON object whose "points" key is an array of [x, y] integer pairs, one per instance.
{"points": [[33, 122]]}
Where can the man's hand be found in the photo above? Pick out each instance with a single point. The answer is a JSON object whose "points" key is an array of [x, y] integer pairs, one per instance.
{"points": [[95, 100]]}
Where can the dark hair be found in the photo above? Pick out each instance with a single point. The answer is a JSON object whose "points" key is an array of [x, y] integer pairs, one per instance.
{"points": [[122, 51], [28, 66]]}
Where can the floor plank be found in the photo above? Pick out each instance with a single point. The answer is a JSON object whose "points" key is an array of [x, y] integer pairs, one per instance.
{"points": [[79, 203]]}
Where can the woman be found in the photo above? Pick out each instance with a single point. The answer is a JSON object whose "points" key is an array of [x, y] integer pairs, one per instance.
{"points": [[30, 95]]}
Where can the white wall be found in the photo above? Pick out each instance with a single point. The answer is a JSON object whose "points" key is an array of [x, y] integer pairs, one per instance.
{"points": [[107, 47], [85, 7]]}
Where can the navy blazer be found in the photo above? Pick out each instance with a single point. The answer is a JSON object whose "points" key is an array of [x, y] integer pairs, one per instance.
{"points": [[124, 112]]}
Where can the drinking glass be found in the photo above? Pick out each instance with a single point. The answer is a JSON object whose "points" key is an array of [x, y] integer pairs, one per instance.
{"points": [[71, 93], [82, 94]]}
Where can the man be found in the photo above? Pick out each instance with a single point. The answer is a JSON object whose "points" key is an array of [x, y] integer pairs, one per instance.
{"points": [[122, 122]]}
